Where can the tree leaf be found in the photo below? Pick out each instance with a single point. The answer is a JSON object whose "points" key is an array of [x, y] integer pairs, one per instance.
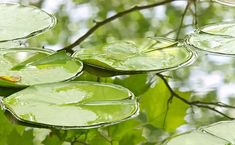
{"points": [[25, 66], [20, 22], [149, 54], [226, 2], [85, 104], [161, 109], [221, 133]]}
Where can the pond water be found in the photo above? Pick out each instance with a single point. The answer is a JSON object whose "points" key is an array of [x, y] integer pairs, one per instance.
{"points": [[173, 102]]}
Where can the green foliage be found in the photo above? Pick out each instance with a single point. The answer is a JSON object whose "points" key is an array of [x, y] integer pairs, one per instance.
{"points": [[167, 112], [159, 115]]}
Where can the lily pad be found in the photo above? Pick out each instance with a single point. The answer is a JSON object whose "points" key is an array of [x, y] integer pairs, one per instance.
{"points": [[27, 66], [20, 22], [215, 38], [72, 105], [226, 2], [224, 29], [213, 43], [11, 44], [150, 54], [221, 133], [224, 130]]}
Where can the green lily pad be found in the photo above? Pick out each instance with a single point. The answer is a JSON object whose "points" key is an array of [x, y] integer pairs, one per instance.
{"points": [[213, 43], [226, 2], [11, 44], [150, 54], [72, 105], [20, 22], [196, 138], [224, 29], [221, 133], [224, 130], [216, 38], [27, 66]]}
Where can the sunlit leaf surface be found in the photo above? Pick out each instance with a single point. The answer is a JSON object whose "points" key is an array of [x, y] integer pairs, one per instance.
{"points": [[221, 133], [35, 66], [17, 21], [73, 104], [149, 54]]}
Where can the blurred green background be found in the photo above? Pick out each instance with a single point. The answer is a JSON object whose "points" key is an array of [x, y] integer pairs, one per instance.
{"points": [[210, 78]]}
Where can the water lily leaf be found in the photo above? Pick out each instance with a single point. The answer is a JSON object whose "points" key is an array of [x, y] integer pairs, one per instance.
{"points": [[149, 54], [221, 133], [213, 43], [11, 44], [26, 66], [227, 29], [215, 38], [224, 130], [226, 2], [72, 105], [196, 138], [18, 22]]}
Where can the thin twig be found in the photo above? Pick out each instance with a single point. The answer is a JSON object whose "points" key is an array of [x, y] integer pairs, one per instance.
{"points": [[182, 19], [198, 103], [174, 30], [195, 13], [110, 19], [167, 109], [218, 104]]}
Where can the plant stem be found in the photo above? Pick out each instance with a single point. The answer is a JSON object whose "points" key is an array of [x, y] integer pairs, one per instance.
{"points": [[182, 19], [206, 105]]}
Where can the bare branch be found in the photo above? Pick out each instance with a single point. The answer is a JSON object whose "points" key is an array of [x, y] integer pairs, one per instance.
{"points": [[182, 19], [207, 105], [218, 104], [110, 19]]}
